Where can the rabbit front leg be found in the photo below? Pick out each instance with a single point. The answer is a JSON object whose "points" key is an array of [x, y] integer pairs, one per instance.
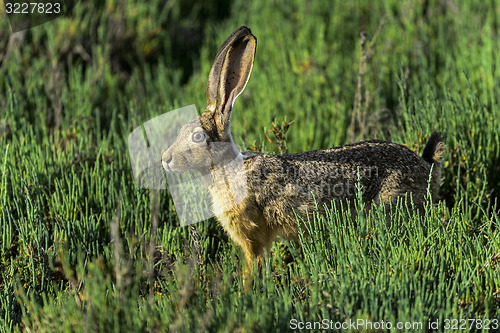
{"points": [[254, 250], [252, 234]]}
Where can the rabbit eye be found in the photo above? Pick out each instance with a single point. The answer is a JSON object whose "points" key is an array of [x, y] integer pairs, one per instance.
{"points": [[199, 137]]}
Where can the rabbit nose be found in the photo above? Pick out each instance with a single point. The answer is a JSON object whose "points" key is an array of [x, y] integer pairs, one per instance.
{"points": [[166, 159]]}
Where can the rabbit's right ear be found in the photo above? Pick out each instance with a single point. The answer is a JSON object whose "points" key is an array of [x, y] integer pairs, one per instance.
{"points": [[214, 76], [233, 79]]}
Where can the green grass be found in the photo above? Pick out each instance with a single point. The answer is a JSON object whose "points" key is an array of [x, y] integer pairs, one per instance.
{"points": [[78, 247]]}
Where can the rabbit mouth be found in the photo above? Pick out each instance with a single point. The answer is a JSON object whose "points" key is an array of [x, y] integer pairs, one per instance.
{"points": [[168, 168]]}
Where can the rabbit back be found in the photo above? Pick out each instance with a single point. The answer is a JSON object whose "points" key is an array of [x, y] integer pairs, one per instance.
{"points": [[283, 185]]}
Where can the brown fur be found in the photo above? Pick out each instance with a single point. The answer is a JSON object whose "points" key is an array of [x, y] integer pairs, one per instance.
{"points": [[277, 187]]}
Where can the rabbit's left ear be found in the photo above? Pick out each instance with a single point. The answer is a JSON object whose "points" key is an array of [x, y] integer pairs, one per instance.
{"points": [[233, 78]]}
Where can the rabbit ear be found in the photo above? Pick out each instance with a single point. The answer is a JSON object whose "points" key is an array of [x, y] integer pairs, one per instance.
{"points": [[213, 77], [233, 78]]}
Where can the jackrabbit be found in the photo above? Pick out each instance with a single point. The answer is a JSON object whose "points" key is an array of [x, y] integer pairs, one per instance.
{"points": [[257, 199]]}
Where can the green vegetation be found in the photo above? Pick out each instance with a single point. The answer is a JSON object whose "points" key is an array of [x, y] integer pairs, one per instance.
{"points": [[80, 249]]}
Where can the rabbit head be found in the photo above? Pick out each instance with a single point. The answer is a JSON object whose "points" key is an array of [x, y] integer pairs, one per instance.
{"points": [[206, 143]]}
